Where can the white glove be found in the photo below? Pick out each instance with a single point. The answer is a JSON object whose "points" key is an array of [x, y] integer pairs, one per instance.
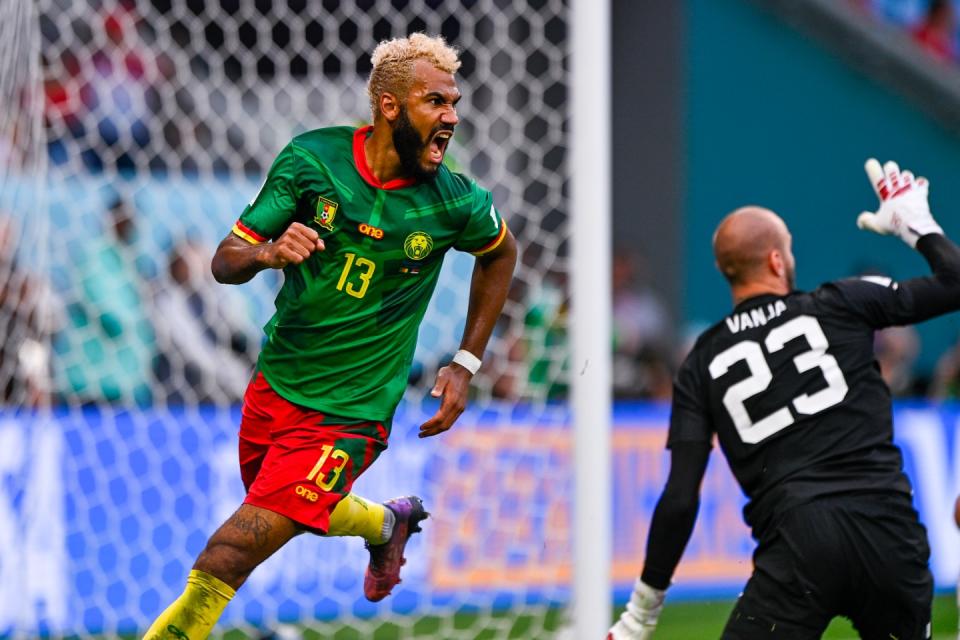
{"points": [[904, 210], [639, 619]]}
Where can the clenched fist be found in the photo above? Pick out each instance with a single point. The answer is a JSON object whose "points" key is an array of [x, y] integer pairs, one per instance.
{"points": [[296, 244]]}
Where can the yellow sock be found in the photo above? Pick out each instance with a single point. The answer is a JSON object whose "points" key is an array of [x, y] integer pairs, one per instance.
{"points": [[193, 614], [356, 516]]}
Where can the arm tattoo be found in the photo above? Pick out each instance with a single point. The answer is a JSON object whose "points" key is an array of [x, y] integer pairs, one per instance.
{"points": [[256, 525]]}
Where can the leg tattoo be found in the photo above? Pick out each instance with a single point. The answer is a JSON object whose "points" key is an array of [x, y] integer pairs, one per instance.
{"points": [[256, 525]]}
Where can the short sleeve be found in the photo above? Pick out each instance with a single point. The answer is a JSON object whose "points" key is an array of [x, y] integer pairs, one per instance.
{"points": [[274, 206], [689, 417], [485, 228]]}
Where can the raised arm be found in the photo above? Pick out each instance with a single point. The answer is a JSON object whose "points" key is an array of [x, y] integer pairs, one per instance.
{"points": [[905, 212], [237, 261], [489, 285], [939, 292]]}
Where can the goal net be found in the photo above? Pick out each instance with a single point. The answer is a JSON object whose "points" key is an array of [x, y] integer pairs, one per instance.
{"points": [[136, 132]]}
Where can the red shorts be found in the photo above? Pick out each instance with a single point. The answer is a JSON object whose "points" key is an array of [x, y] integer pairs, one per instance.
{"points": [[298, 462]]}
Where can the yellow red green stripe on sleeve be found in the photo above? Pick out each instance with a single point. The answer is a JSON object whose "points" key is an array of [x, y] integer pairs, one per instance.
{"points": [[493, 244], [247, 233]]}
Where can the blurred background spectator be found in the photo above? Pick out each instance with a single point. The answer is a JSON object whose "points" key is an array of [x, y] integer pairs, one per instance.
{"points": [[28, 317], [545, 338], [643, 342], [937, 32], [534, 361], [110, 346], [207, 341], [931, 23], [946, 375], [897, 349], [116, 81], [642, 332]]}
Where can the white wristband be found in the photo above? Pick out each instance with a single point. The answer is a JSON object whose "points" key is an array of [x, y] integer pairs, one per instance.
{"points": [[467, 360]]}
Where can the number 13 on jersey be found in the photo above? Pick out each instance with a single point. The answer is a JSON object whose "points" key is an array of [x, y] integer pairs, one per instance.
{"points": [[363, 269]]}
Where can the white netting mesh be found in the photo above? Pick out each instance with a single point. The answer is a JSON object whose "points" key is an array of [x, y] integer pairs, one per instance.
{"points": [[135, 134]]}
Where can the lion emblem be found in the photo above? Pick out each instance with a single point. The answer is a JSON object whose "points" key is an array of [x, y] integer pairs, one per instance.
{"points": [[418, 245]]}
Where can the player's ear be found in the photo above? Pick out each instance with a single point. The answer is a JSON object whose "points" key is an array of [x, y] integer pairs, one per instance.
{"points": [[776, 263], [389, 106]]}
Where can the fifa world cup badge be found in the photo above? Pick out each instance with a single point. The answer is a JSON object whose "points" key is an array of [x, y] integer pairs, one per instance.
{"points": [[326, 212]]}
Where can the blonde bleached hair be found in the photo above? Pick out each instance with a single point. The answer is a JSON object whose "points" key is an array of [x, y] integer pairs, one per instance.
{"points": [[393, 64]]}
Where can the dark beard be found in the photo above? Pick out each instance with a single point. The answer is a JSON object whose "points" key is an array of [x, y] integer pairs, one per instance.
{"points": [[410, 148]]}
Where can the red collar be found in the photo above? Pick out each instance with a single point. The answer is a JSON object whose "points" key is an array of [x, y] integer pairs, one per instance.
{"points": [[360, 159]]}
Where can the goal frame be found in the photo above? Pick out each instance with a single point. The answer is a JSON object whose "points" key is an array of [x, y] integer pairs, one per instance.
{"points": [[590, 237]]}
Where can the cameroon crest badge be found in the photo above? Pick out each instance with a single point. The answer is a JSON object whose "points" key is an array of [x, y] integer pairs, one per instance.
{"points": [[326, 212], [418, 245]]}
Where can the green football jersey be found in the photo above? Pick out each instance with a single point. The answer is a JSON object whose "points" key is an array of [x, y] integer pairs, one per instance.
{"points": [[345, 328]]}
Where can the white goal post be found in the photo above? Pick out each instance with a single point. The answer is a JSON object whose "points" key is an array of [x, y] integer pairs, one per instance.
{"points": [[591, 224]]}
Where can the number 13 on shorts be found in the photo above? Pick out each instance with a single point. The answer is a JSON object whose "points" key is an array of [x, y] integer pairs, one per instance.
{"points": [[328, 453]]}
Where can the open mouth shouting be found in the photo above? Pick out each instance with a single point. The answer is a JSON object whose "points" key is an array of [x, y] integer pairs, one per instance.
{"points": [[437, 147]]}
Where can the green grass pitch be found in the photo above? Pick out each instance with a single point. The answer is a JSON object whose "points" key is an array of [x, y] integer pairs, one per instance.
{"points": [[688, 620], [683, 620]]}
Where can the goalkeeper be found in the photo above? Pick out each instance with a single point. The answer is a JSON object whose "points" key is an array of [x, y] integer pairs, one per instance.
{"points": [[359, 221], [789, 385]]}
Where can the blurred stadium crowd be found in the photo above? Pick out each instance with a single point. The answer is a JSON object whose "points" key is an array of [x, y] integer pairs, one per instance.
{"points": [[147, 333], [931, 23], [181, 338]]}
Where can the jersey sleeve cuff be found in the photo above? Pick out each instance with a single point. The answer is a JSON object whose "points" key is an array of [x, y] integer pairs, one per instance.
{"points": [[493, 244], [248, 234], [656, 578]]}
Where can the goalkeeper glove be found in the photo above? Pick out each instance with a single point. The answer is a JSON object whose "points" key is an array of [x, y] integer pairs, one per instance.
{"points": [[639, 619], [904, 210]]}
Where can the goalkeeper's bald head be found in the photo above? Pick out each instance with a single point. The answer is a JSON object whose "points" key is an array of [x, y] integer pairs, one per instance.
{"points": [[752, 249]]}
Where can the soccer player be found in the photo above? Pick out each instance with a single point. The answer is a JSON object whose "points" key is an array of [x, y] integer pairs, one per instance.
{"points": [[788, 384], [359, 221]]}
